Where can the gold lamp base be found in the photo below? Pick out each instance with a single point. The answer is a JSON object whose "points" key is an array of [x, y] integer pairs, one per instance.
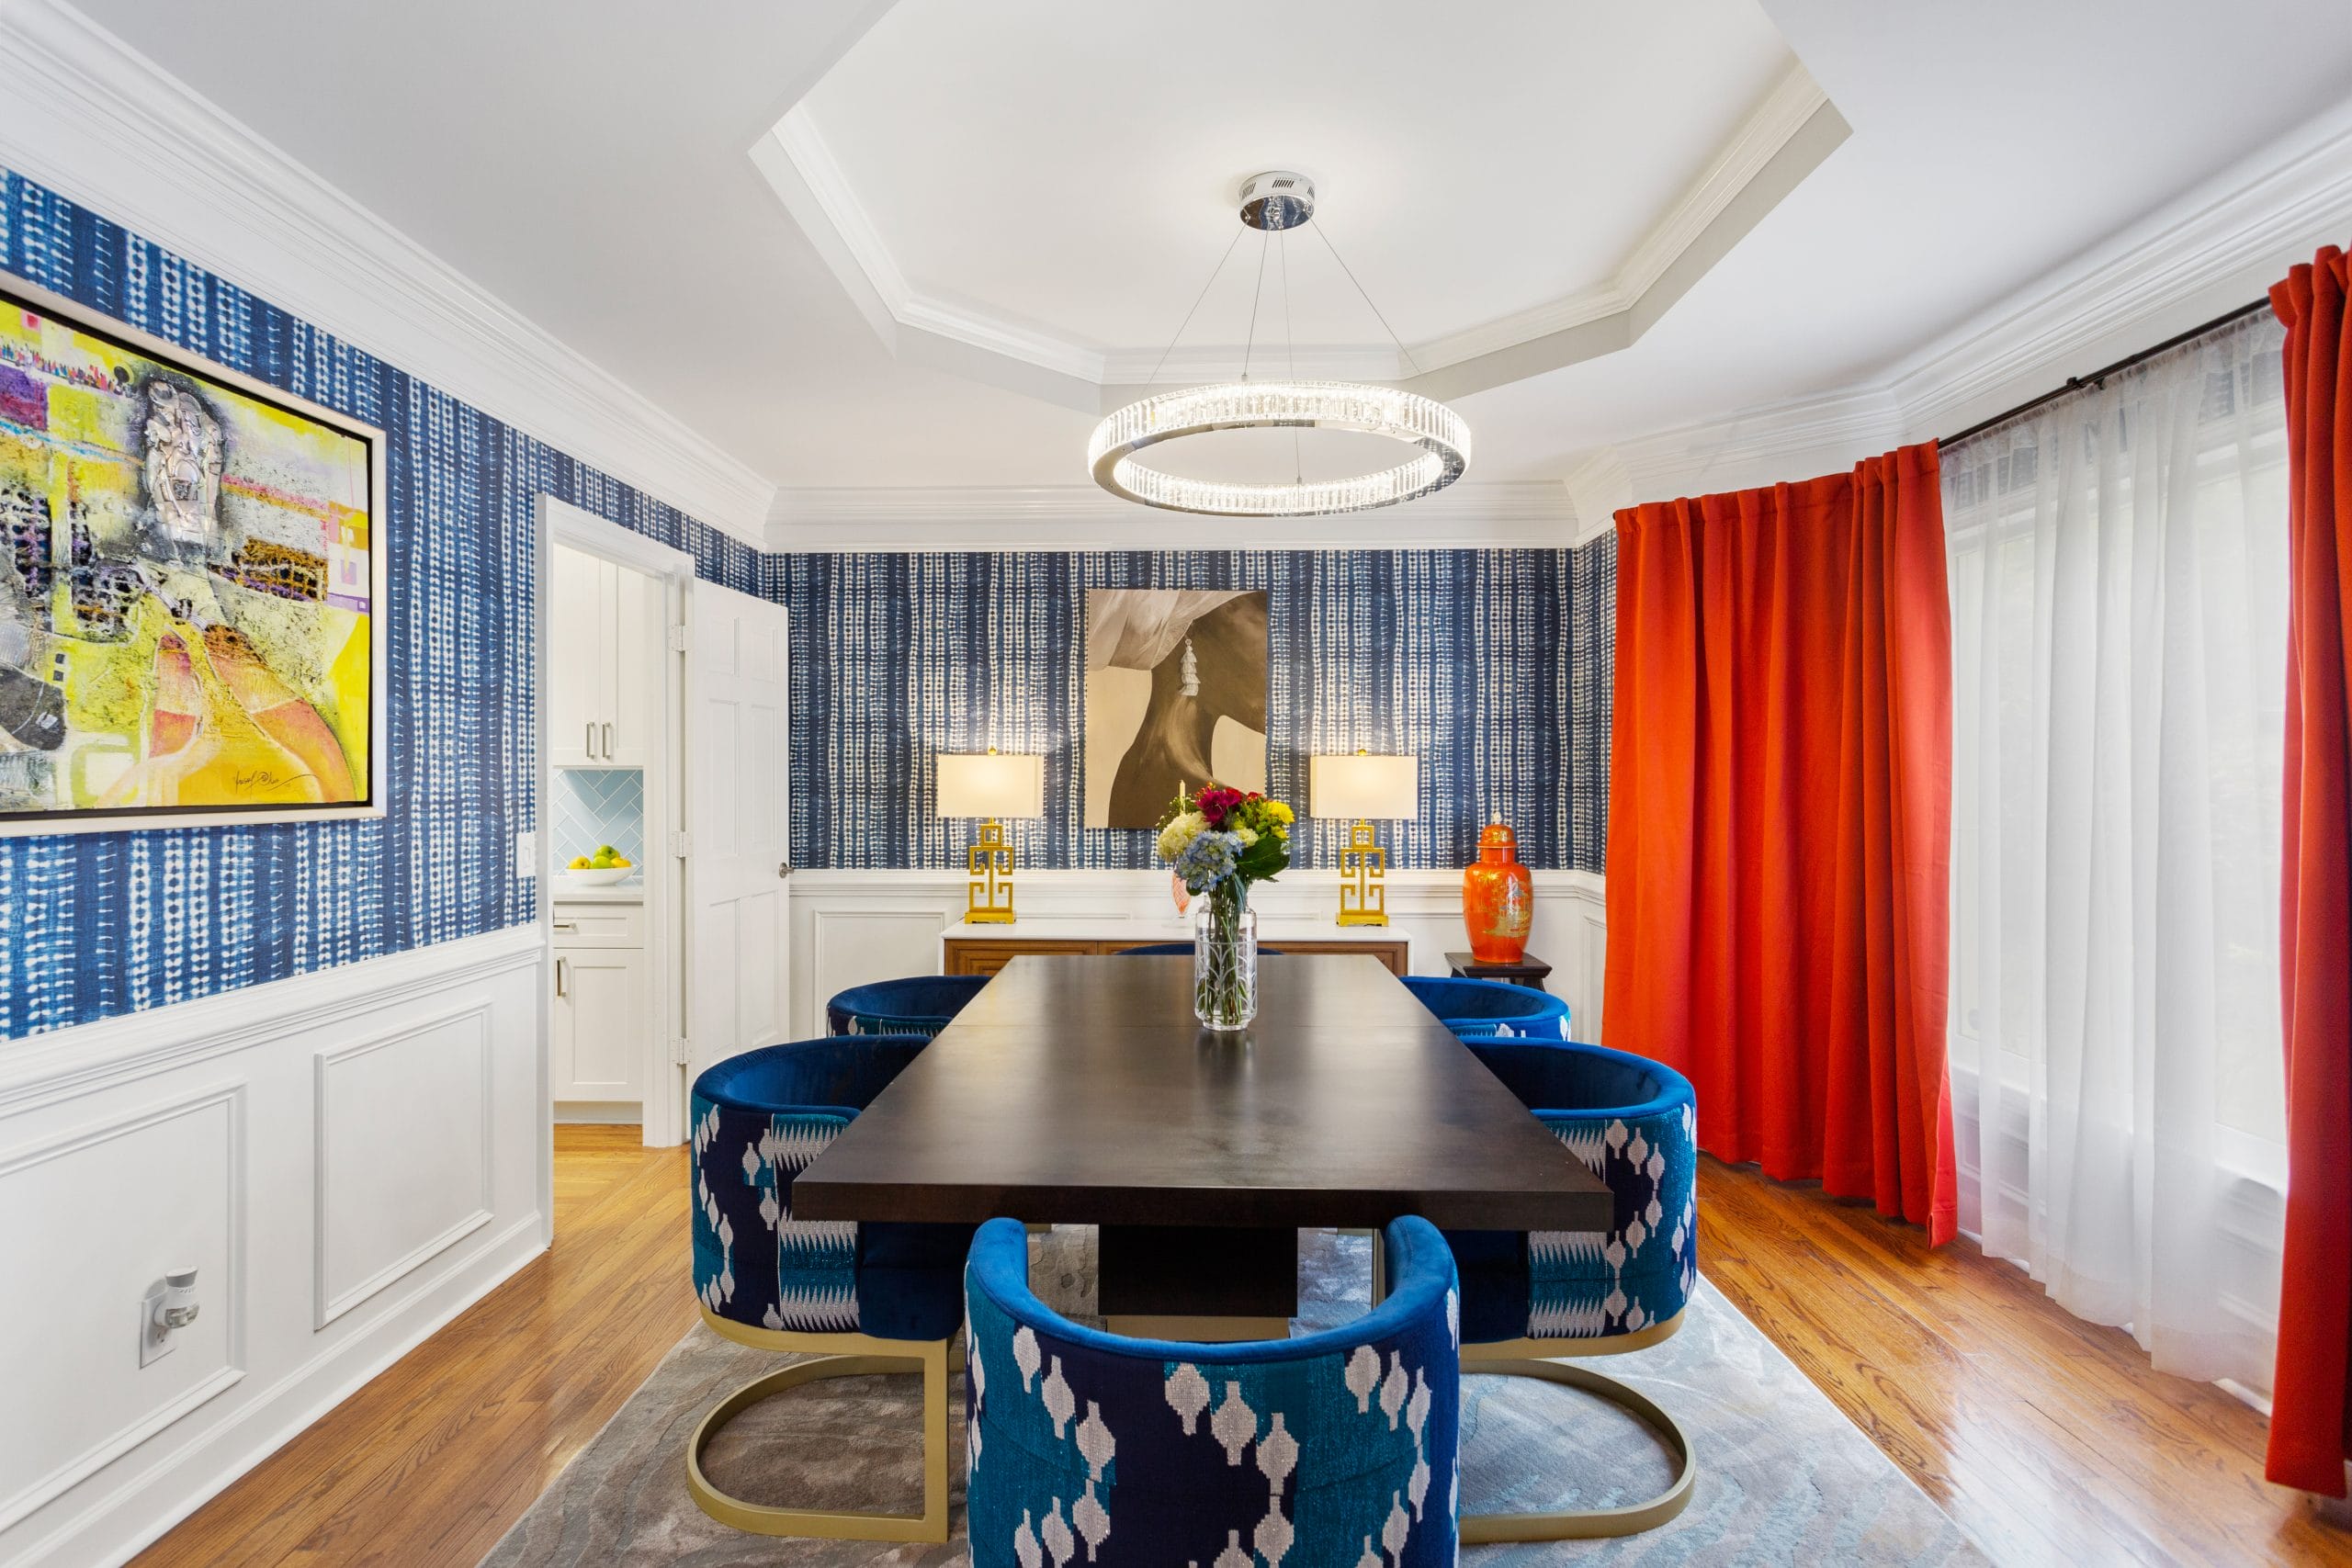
{"points": [[1363, 880], [989, 863]]}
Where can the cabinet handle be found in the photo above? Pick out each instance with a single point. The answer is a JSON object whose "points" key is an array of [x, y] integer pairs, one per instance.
{"points": [[567, 925], [559, 977], [608, 742], [589, 744]]}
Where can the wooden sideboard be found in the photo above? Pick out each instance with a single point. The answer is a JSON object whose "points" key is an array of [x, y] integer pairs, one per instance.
{"points": [[965, 949]]}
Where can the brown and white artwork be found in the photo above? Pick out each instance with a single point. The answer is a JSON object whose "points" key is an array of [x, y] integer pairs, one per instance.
{"points": [[1175, 694]]}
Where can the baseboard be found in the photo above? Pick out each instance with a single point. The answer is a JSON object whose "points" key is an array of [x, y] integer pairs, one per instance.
{"points": [[599, 1113]]}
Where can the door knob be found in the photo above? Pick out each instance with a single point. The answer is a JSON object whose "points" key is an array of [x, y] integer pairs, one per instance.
{"points": [[784, 868]]}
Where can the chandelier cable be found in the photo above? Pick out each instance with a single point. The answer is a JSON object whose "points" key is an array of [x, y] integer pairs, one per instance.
{"points": [[1290, 364], [1324, 231], [1214, 273], [1256, 294]]}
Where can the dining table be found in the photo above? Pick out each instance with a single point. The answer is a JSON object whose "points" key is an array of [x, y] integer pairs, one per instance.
{"points": [[1081, 1090]]}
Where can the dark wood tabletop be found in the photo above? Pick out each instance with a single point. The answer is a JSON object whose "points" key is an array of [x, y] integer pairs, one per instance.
{"points": [[1080, 1091]]}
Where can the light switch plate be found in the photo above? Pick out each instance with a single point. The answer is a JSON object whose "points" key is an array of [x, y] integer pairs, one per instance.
{"points": [[526, 853], [153, 1344]]}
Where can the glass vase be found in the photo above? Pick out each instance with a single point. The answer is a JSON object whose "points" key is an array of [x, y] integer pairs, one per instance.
{"points": [[1225, 957]]}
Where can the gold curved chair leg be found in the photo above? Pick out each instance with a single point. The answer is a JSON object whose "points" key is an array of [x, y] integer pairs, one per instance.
{"points": [[760, 1518], [1585, 1524]]}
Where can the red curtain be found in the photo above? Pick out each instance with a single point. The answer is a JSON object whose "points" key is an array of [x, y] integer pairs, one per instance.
{"points": [[1779, 822], [2311, 1422]]}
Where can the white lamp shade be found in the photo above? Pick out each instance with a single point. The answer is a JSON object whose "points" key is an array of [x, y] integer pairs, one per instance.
{"points": [[1389, 788], [990, 784]]}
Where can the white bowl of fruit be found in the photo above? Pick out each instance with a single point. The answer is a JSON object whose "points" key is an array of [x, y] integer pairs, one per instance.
{"points": [[604, 868]]}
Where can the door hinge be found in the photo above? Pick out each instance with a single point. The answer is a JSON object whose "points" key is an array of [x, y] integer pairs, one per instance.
{"points": [[678, 638], [681, 1051], [681, 845]]}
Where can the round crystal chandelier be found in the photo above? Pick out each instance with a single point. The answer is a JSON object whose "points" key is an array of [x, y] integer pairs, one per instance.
{"points": [[1273, 203]]}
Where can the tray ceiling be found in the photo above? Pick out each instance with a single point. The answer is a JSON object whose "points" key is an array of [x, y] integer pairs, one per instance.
{"points": [[1032, 195]]}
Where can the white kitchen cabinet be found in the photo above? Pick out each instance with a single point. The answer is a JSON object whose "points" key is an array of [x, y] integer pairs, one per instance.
{"points": [[602, 660], [598, 1035]]}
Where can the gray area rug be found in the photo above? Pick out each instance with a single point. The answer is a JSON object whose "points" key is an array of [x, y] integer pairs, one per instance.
{"points": [[1783, 1477]]}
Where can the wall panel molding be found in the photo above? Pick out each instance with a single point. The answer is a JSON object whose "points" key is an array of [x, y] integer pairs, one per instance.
{"points": [[60, 1064], [227, 1293], [459, 1025], [899, 914], [355, 1196]]}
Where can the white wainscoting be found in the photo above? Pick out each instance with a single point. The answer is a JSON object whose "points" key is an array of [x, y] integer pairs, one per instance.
{"points": [[849, 927], [348, 1158]]}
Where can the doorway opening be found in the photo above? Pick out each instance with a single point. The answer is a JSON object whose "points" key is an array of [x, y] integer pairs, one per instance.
{"points": [[612, 774]]}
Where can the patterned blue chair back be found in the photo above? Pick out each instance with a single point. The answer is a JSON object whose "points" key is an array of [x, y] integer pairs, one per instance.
{"points": [[1328, 1452], [1480, 1008], [759, 1120], [1633, 1123], [1171, 948], [922, 1004]]}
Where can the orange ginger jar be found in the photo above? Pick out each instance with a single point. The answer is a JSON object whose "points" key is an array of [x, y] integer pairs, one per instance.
{"points": [[1497, 898]]}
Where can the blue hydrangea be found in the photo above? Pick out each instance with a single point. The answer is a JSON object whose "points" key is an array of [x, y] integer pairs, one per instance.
{"points": [[1207, 860]]}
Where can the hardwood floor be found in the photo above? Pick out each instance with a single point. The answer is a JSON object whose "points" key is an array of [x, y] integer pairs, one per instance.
{"points": [[2051, 1441], [430, 1461]]}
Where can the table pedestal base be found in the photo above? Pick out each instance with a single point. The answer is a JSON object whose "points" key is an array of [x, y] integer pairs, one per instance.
{"points": [[1197, 1282]]}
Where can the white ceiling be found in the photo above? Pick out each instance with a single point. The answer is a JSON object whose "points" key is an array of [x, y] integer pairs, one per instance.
{"points": [[587, 162], [1071, 168]]}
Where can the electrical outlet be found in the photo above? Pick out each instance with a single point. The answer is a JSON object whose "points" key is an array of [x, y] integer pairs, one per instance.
{"points": [[526, 853], [155, 1341]]}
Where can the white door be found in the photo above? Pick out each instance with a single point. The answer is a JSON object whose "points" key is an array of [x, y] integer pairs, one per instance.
{"points": [[579, 657], [736, 861]]}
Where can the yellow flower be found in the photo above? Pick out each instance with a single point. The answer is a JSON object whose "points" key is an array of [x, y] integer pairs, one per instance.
{"points": [[1279, 812]]}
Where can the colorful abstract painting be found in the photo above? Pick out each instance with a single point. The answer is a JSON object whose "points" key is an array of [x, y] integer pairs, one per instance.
{"points": [[188, 587]]}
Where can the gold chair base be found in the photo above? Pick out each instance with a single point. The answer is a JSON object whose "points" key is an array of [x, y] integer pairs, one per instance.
{"points": [[872, 1356], [1585, 1524]]}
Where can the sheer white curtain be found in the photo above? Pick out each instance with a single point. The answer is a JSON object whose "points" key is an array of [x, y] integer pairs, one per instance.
{"points": [[2118, 590]]}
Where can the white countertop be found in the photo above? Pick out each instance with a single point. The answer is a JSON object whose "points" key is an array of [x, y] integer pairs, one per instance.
{"points": [[1178, 929], [617, 893]]}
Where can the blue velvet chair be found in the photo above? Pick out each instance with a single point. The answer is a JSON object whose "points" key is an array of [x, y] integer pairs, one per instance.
{"points": [[864, 1298], [1478, 1008], [1528, 1297], [1327, 1452], [1173, 949], [922, 1004]]}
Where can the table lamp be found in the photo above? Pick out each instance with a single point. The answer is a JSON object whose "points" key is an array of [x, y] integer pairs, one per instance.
{"points": [[990, 786], [1364, 786]]}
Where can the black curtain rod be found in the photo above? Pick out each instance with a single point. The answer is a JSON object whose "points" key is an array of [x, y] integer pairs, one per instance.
{"points": [[2076, 383]]}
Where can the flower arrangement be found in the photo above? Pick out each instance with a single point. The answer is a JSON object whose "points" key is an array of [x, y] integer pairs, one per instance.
{"points": [[1220, 841], [1219, 837]]}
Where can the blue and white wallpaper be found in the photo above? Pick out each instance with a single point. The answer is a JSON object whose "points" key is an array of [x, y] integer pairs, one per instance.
{"points": [[1490, 665], [1463, 658], [94, 925]]}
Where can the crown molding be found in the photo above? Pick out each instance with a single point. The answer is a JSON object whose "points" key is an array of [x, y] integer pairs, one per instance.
{"points": [[2218, 246], [1758, 446], [1795, 99], [110, 130], [1534, 514], [2260, 216], [1783, 138]]}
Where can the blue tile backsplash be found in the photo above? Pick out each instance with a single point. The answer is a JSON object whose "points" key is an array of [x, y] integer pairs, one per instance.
{"points": [[598, 805]]}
